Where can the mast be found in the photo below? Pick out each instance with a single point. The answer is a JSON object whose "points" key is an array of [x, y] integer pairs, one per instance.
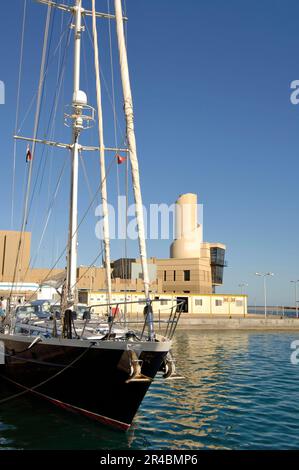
{"points": [[128, 108], [102, 154], [79, 100]]}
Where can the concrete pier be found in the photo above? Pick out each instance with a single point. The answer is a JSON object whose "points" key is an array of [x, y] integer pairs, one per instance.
{"points": [[250, 322]]}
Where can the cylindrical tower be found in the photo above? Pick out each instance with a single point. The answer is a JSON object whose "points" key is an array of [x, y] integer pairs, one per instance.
{"points": [[188, 233]]}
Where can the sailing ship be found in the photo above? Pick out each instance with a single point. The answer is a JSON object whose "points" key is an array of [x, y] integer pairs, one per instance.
{"points": [[93, 366]]}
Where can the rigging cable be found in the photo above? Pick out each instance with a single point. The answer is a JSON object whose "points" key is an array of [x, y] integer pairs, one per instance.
{"points": [[124, 271], [32, 389], [102, 152], [37, 114], [52, 133], [49, 213], [105, 85], [90, 191], [40, 161], [84, 273], [51, 118], [112, 88], [35, 93], [51, 126], [78, 226], [17, 112]]}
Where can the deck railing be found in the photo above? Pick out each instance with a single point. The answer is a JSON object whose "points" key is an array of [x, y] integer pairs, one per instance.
{"points": [[165, 324]]}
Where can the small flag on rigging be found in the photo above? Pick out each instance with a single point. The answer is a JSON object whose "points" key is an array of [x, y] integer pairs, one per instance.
{"points": [[28, 155], [120, 159]]}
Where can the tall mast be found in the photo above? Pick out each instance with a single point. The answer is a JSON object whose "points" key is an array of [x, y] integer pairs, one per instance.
{"points": [[129, 114], [79, 99], [102, 154]]}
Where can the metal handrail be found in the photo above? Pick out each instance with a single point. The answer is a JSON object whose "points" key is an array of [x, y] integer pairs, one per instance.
{"points": [[171, 322], [88, 307]]}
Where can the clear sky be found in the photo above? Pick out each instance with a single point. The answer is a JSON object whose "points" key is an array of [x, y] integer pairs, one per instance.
{"points": [[211, 85]]}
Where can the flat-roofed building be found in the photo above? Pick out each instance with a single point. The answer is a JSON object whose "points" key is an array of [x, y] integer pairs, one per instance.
{"points": [[12, 243], [191, 273]]}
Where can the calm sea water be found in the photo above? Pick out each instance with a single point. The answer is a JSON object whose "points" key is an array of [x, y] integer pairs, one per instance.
{"points": [[279, 312], [240, 392]]}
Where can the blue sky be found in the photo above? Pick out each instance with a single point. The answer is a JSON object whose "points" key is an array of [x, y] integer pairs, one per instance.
{"points": [[211, 85]]}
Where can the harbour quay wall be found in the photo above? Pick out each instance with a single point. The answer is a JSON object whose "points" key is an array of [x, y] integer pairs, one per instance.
{"points": [[243, 323]]}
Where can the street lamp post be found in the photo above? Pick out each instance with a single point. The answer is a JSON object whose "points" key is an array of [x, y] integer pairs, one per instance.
{"points": [[242, 286], [296, 304], [264, 275]]}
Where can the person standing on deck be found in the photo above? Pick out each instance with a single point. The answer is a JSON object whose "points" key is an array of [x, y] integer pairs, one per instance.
{"points": [[4, 304], [2, 311]]}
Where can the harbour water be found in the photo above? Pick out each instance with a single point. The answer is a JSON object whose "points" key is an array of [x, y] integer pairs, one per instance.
{"points": [[278, 311], [240, 391]]}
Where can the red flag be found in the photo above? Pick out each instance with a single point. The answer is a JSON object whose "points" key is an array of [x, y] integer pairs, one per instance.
{"points": [[28, 155], [120, 159]]}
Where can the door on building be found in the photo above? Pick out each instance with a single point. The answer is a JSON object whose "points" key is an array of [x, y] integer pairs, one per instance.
{"points": [[182, 304]]}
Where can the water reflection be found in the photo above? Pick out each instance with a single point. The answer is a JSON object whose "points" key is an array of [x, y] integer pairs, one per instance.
{"points": [[204, 360], [238, 386]]}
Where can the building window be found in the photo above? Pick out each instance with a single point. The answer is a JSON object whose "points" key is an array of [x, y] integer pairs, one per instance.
{"points": [[239, 303], [164, 275], [217, 264], [218, 303], [174, 275], [187, 275], [198, 302]]}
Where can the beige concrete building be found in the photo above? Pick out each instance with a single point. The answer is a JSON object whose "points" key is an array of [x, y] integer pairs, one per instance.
{"points": [[10, 243], [204, 304], [199, 275], [94, 279], [189, 276], [191, 273], [194, 266]]}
